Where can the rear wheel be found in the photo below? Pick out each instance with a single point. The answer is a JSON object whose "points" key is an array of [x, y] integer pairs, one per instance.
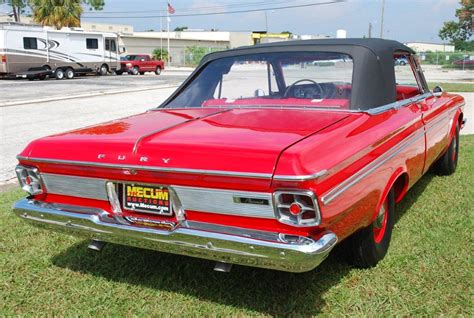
{"points": [[59, 74], [448, 162], [368, 246], [70, 73], [104, 69], [135, 70], [158, 70]]}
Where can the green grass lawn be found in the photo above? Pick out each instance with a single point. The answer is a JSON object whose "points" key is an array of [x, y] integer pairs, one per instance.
{"points": [[428, 270], [453, 87]]}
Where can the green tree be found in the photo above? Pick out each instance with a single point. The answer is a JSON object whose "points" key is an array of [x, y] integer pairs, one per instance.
{"points": [[159, 54], [459, 32], [178, 29]]}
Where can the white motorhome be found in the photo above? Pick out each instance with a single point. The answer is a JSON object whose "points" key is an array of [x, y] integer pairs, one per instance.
{"points": [[35, 52]]}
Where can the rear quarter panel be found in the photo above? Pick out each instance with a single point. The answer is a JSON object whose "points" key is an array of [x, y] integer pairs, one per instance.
{"points": [[362, 155]]}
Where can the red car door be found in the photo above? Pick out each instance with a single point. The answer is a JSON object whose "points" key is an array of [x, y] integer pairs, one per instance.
{"points": [[436, 118]]}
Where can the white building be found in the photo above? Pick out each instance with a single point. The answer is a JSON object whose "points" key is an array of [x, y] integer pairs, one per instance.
{"points": [[146, 42], [430, 47]]}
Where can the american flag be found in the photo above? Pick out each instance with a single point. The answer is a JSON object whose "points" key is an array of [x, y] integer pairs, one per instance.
{"points": [[171, 10]]}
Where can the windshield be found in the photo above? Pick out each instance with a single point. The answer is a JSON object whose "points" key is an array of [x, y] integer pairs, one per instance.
{"points": [[289, 79], [131, 58]]}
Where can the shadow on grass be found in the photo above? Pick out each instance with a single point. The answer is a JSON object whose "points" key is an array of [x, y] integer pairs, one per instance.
{"points": [[413, 194], [263, 291], [259, 290]]}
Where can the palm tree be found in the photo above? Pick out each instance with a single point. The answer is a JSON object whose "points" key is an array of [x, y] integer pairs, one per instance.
{"points": [[17, 7], [57, 13]]}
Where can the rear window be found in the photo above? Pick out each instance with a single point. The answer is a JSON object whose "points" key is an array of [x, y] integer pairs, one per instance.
{"points": [[305, 79], [30, 43], [92, 44]]}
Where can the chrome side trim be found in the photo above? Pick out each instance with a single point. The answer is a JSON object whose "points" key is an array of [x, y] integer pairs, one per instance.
{"points": [[187, 198], [372, 166], [281, 177], [398, 104], [208, 241], [251, 175], [222, 202], [81, 187]]}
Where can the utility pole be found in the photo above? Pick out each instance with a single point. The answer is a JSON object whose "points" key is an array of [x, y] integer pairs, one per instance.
{"points": [[161, 36], [381, 19], [266, 21], [370, 30]]}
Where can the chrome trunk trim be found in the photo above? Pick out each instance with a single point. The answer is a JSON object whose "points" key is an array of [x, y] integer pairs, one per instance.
{"points": [[187, 198], [140, 139], [235, 174], [319, 174], [89, 188], [222, 202]]}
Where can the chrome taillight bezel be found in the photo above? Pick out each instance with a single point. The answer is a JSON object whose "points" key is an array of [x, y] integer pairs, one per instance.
{"points": [[35, 185], [286, 217]]}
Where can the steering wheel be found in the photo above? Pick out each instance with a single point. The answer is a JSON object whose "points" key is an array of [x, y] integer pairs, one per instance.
{"points": [[289, 88]]}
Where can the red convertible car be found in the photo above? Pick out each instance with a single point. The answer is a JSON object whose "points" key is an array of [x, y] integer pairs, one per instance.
{"points": [[266, 156]]}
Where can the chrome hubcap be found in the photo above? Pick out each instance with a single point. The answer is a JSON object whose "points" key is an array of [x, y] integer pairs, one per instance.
{"points": [[379, 220]]}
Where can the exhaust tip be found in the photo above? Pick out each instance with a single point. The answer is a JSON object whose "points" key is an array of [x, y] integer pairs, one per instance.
{"points": [[96, 245], [222, 267]]}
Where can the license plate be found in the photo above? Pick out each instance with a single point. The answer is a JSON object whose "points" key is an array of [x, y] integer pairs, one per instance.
{"points": [[147, 198]]}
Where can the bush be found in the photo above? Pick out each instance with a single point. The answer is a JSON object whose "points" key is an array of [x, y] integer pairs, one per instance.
{"points": [[439, 58], [194, 54], [158, 53]]}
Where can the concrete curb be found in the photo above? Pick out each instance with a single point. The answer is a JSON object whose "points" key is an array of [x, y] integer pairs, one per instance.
{"points": [[92, 94], [8, 185]]}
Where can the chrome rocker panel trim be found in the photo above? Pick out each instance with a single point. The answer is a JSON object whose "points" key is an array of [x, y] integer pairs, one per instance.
{"points": [[212, 242]]}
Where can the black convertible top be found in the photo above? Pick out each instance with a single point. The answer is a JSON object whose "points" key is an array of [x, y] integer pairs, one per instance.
{"points": [[373, 82], [373, 78]]}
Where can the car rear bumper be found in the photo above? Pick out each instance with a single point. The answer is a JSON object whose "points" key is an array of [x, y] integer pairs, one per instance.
{"points": [[202, 240]]}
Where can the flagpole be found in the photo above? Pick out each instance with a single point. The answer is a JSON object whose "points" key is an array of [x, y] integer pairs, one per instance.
{"points": [[168, 22]]}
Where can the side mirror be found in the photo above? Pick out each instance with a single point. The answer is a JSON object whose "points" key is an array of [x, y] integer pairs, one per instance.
{"points": [[142, 60], [124, 50], [259, 93], [437, 91]]}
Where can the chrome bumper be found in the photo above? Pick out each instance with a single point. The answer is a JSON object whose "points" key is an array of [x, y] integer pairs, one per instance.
{"points": [[219, 243]]}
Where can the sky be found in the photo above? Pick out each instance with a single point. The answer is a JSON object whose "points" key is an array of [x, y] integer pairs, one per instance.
{"points": [[404, 20]]}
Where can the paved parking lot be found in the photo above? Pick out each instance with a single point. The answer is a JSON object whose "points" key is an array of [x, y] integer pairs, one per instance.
{"points": [[102, 99], [21, 90]]}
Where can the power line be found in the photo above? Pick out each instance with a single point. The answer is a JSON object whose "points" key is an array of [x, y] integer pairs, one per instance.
{"points": [[191, 9], [217, 13]]}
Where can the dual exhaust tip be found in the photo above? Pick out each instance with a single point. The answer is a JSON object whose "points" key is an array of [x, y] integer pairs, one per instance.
{"points": [[97, 246]]}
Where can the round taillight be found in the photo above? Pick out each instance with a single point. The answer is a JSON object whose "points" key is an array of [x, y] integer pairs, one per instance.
{"points": [[295, 208]]}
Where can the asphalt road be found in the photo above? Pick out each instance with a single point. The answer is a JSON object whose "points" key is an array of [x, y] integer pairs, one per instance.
{"points": [[20, 90]]}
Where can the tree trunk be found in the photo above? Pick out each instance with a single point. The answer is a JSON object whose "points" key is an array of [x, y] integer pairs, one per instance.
{"points": [[15, 13]]}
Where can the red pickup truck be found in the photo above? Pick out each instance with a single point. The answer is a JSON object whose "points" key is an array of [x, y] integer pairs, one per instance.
{"points": [[139, 64]]}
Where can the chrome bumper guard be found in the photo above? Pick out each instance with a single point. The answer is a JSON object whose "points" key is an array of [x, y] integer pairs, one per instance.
{"points": [[203, 240]]}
